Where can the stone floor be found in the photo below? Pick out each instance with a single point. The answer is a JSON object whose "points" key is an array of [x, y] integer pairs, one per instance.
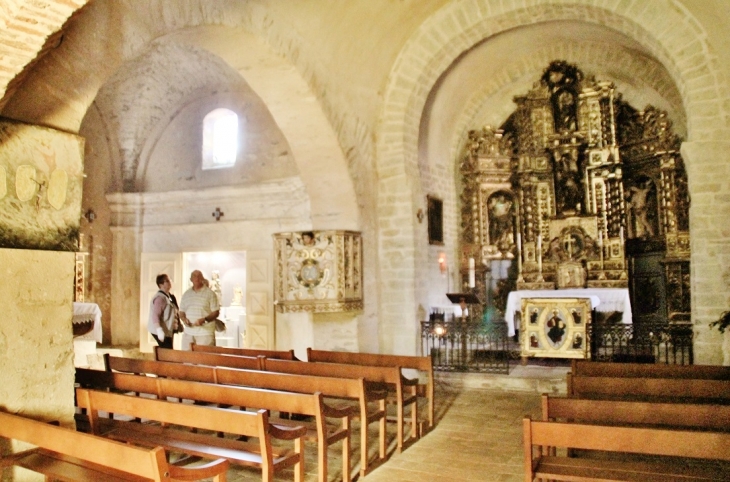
{"points": [[478, 436]]}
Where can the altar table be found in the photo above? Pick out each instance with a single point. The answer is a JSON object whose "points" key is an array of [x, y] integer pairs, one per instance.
{"points": [[85, 312], [602, 299]]}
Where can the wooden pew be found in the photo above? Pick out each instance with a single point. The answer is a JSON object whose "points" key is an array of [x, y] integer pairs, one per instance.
{"points": [[307, 404], [649, 370], [65, 454], [423, 364], [211, 359], [352, 389], [406, 393], [540, 439], [228, 350], [618, 412], [650, 389]]}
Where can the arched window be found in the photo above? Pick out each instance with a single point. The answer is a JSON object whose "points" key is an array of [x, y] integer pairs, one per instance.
{"points": [[220, 139]]}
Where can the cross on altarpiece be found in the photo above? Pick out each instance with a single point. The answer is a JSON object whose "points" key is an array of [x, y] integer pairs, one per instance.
{"points": [[218, 214], [568, 244]]}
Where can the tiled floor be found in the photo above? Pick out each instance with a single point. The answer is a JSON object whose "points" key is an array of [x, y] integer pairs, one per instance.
{"points": [[478, 436]]}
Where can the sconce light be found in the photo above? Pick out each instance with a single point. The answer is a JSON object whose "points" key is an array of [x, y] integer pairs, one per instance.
{"points": [[442, 263], [90, 215], [420, 215]]}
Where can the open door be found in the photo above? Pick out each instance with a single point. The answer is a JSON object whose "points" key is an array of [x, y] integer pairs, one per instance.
{"points": [[152, 265]]}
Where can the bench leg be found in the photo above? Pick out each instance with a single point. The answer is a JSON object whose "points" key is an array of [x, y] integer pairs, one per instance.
{"points": [[299, 466], [346, 450]]}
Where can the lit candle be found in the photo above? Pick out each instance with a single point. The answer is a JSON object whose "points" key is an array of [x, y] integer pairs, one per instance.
{"points": [[472, 274]]}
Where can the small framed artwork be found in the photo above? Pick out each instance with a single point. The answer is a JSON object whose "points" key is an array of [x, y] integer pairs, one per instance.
{"points": [[435, 220]]}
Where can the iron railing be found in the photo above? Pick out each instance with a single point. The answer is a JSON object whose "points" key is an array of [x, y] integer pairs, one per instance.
{"points": [[475, 346], [670, 343], [466, 345]]}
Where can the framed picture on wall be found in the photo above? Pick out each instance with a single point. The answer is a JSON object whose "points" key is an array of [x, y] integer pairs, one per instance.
{"points": [[435, 220]]}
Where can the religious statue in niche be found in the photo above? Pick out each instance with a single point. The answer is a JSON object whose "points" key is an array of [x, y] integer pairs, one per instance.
{"points": [[562, 80], [215, 285], [643, 208], [501, 220], [568, 186], [237, 296]]}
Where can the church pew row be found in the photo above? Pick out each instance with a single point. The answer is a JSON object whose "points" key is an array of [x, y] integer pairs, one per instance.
{"points": [[228, 350], [668, 455], [649, 370], [308, 404], [359, 390], [405, 390], [65, 454], [650, 389], [701, 416], [422, 364], [392, 378]]}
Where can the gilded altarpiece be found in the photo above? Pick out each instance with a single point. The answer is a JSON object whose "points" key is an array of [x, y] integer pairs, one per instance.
{"points": [[318, 271], [573, 183]]}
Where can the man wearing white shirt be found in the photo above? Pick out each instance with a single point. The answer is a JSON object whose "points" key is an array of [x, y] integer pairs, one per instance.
{"points": [[198, 311]]}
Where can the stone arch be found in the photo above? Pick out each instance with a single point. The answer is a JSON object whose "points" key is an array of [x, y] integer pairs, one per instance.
{"points": [[455, 29]]}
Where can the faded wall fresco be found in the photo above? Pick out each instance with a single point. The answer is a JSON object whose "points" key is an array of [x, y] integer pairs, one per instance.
{"points": [[41, 174]]}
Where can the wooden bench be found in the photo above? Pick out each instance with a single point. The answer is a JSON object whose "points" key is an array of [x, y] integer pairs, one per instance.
{"points": [[211, 359], [649, 389], [228, 350], [405, 389], [423, 364], [307, 404], [343, 388], [65, 454], [708, 453], [619, 412], [649, 370]]}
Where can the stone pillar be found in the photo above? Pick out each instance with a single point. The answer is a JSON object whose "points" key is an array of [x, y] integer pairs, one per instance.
{"points": [[708, 173], [36, 340], [125, 285]]}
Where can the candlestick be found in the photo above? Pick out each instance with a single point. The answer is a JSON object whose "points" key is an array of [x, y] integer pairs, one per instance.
{"points": [[472, 280], [519, 257], [621, 235]]}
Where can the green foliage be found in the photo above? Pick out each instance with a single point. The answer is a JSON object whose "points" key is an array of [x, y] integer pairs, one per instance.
{"points": [[722, 323]]}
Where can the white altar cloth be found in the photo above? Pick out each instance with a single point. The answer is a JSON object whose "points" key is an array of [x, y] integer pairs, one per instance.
{"points": [[85, 312], [602, 299]]}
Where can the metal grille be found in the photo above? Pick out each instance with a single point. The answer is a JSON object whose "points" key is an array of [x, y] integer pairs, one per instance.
{"points": [[466, 345], [644, 343]]}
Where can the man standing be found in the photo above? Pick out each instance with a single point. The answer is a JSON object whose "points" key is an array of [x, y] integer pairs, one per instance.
{"points": [[163, 319], [198, 311]]}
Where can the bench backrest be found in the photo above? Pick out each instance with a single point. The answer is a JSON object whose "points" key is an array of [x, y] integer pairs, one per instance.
{"points": [[194, 416], [658, 389], [649, 370], [228, 350], [211, 359], [687, 415], [651, 441], [150, 464], [423, 363], [390, 375], [307, 404], [329, 386]]}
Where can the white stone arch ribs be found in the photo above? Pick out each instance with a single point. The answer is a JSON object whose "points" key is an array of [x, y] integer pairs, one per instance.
{"points": [[663, 27]]}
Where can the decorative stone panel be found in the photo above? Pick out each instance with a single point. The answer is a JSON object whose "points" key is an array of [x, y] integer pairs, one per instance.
{"points": [[318, 271]]}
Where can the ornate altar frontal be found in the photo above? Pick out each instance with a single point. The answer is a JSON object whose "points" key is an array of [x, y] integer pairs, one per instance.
{"points": [[574, 184], [555, 327], [318, 271]]}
